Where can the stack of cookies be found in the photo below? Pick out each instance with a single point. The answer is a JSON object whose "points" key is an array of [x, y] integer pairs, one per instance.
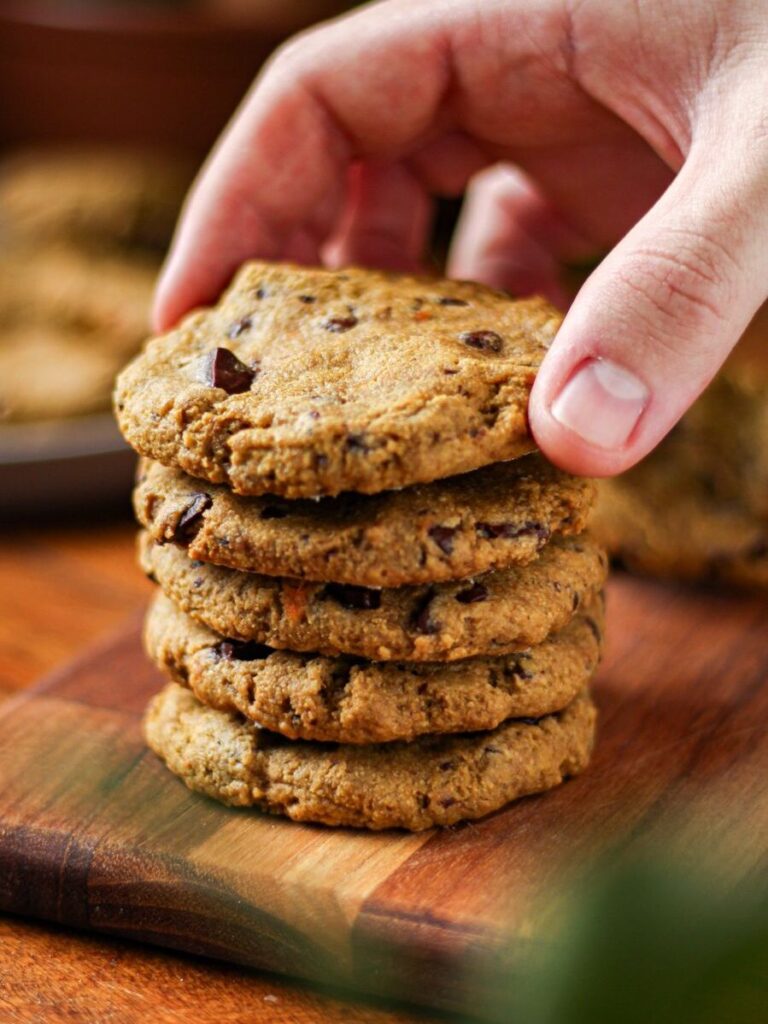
{"points": [[378, 607]]}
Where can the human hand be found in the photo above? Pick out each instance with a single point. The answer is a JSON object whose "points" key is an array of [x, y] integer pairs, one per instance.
{"points": [[641, 126]]}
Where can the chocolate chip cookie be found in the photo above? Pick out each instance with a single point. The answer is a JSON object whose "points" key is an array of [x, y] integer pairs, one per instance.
{"points": [[662, 518], [47, 372], [350, 700], [497, 613], [726, 430], [305, 382], [489, 519], [103, 297], [97, 198], [432, 781]]}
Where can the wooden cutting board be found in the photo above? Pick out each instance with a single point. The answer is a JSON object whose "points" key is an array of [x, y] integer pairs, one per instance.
{"points": [[95, 833]]}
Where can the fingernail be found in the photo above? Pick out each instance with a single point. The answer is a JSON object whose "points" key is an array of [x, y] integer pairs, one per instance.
{"points": [[602, 403]]}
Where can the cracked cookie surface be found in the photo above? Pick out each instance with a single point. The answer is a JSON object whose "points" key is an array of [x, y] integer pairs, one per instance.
{"points": [[489, 519], [350, 700], [495, 613], [431, 781], [306, 382]]}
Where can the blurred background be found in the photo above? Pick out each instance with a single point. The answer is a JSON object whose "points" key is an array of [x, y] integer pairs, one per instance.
{"points": [[106, 111]]}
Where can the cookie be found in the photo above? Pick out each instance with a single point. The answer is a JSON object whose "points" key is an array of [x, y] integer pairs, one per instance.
{"points": [[48, 372], [496, 613], [432, 781], [663, 519], [307, 382], [105, 297], [726, 431], [348, 700], [92, 197], [489, 519]]}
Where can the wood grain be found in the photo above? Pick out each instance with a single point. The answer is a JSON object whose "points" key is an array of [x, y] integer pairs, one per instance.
{"points": [[58, 977], [61, 587], [95, 832]]}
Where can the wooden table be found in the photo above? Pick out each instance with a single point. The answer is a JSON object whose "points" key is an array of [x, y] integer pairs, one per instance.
{"points": [[60, 588]]}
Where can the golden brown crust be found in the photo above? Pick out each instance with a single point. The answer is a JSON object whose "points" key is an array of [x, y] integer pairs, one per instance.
{"points": [[432, 781], [500, 612], [490, 519], [353, 380], [348, 700]]}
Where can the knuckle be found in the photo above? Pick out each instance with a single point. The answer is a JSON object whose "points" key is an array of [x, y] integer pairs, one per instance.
{"points": [[686, 283], [295, 52]]}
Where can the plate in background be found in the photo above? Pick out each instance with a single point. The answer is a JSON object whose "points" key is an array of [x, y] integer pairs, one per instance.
{"points": [[57, 466]]}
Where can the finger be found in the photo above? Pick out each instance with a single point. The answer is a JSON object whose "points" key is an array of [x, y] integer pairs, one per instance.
{"points": [[657, 318], [386, 220], [328, 99], [381, 83], [445, 164], [511, 237]]}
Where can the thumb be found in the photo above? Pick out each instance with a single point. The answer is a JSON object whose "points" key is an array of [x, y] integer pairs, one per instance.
{"points": [[658, 317]]}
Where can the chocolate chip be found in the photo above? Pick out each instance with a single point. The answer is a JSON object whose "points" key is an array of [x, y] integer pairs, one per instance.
{"points": [[191, 519], [511, 531], [515, 670], [225, 371], [421, 620], [242, 650], [308, 299], [352, 598], [356, 443], [240, 327], [485, 341], [472, 595], [443, 537], [447, 766], [273, 512], [448, 300], [447, 801], [339, 324], [261, 292]]}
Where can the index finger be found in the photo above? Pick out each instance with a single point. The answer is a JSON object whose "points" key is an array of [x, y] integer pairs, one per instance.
{"points": [[381, 83], [366, 85]]}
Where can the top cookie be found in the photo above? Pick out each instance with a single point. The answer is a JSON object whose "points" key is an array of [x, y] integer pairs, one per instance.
{"points": [[305, 382]]}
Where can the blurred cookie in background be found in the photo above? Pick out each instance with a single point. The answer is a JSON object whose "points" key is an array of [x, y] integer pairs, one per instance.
{"points": [[105, 297], [48, 372], [95, 198], [83, 235], [726, 431], [663, 519], [697, 507]]}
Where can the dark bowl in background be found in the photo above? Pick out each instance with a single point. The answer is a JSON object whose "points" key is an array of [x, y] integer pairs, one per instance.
{"points": [[164, 73]]}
